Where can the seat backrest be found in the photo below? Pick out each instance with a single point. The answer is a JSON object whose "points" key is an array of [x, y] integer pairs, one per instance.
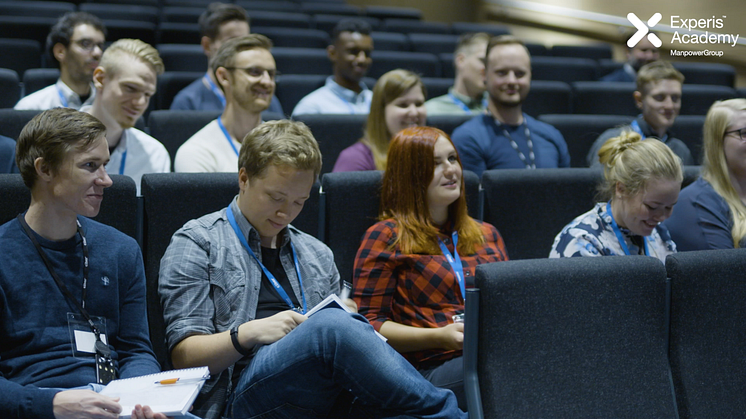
{"points": [[178, 33], [118, 209], [26, 27], [566, 69], [52, 9], [183, 57], [291, 88], [596, 52], [447, 123], [688, 128], [280, 19], [121, 11], [604, 97], [708, 341], [548, 96], [350, 203], [13, 121], [132, 29], [707, 73], [10, 88], [696, 99], [302, 61], [393, 12], [462, 27], [20, 55], [530, 207], [422, 63], [170, 84], [414, 26], [581, 131], [334, 133], [38, 78], [432, 43], [173, 128], [294, 37], [390, 41], [573, 337], [327, 22]]}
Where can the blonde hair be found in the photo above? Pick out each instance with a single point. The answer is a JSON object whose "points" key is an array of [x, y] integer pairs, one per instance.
{"points": [[632, 162], [111, 59], [389, 87], [657, 71], [715, 167]]}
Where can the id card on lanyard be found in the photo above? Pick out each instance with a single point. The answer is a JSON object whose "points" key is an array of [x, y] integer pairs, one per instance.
{"points": [[275, 283], [455, 261], [619, 235]]}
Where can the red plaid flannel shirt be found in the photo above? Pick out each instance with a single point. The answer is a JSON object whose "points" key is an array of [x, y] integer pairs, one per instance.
{"points": [[415, 289]]}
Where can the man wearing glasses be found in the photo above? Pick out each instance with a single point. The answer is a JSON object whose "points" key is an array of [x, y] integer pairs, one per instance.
{"points": [[245, 71], [75, 43]]}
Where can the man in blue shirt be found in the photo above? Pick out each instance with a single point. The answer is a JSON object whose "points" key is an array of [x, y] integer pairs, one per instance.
{"points": [[644, 52], [344, 92], [505, 137], [219, 23]]}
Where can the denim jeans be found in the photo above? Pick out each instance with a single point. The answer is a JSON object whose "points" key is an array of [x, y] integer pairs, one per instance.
{"points": [[331, 356]]}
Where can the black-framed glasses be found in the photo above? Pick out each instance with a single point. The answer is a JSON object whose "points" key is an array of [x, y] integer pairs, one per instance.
{"points": [[88, 44], [740, 131], [257, 71]]}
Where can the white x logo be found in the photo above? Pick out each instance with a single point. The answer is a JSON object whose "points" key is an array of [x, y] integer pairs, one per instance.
{"points": [[643, 29]]}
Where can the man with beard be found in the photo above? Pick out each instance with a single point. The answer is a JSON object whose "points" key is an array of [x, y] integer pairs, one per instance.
{"points": [[658, 96], [639, 55], [344, 92], [245, 71], [75, 44], [505, 137], [125, 81]]}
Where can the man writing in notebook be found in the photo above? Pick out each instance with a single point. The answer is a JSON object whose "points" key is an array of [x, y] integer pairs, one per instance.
{"points": [[235, 285], [58, 269]]}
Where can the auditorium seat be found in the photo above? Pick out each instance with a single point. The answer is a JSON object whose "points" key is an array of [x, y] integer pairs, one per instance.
{"points": [[170, 84], [121, 11], [302, 61], [349, 205], [179, 33], [530, 207], [596, 52], [120, 29], [334, 133], [393, 12], [183, 57], [606, 98], [252, 6], [446, 65], [538, 50], [118, 209], [463, 27], [390, 41], [422, 63], [547, 97], [26, 8], [10, 88], [688, 128], [696, 99], [707, 73], [708, 340], [327, 23], [172, 199], [607, 66], [181, 14], [294, 37], [38, 78], [291, 88], [581, 131], [173, 128], [322, 8], [432, 43], [566, 69], [20, 55], [26, 27], [280, 19], [569, 338], [447, 123], [415, 26], [436, 86]]}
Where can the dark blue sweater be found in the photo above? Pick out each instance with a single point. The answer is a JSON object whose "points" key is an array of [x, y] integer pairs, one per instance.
{"points": [[35, 346]]}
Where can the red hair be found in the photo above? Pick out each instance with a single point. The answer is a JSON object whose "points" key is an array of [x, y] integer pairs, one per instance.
{"points": [[410, 169]]}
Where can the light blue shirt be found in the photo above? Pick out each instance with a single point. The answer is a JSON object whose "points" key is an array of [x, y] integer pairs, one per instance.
{"points": [[335, 99]]}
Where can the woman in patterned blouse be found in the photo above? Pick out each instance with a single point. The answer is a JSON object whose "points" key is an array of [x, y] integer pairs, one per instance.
{"points": [[412, 266], [642, 184]]}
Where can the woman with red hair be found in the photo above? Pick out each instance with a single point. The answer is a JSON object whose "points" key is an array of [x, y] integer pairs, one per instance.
{"points": [[411, 269]]}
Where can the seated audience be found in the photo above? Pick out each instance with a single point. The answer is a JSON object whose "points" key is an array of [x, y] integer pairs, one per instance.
{"points": [[7, 155], [642, 180], [74, 44], [236, 284], [711, 213], [644, 52], [468, 94], [409, 277], [658, 96], [505, 137], [217, 24], [57, 266], [125, 81], [398, 102], [245, 71], [344, 92]]}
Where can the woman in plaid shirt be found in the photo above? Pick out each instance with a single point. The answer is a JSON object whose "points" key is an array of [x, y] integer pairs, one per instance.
{"points": [[407, 279]]}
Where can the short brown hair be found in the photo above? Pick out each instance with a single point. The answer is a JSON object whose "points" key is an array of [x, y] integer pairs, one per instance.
{"points": [[504, 40], [279, 143], [217, 14], [51, 135], [226, 55], [467, 41], [656, 71]]}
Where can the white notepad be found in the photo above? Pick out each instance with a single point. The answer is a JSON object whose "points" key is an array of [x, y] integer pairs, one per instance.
{"points": [[146, 390], [333, 301]]}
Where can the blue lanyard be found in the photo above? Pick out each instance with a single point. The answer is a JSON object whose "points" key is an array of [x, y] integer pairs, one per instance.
{"points": [[215, 89], [272, 279], [227, 136], [636, 128], [121, 166], [63, 99], [619, 236], [455, 261], [460, 103]]}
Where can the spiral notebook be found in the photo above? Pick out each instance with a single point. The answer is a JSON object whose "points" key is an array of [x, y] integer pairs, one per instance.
{"points": [[169, 392]]}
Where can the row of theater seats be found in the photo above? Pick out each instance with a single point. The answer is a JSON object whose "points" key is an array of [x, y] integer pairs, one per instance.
{"points": [[336, 132], [610, 337], [554, 338]]}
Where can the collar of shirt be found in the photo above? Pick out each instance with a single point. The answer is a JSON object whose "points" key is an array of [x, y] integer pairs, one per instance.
{"points": [[250, 232], [629, 70], [469, 102], [346, 93], [645, 127], [73, 99]]}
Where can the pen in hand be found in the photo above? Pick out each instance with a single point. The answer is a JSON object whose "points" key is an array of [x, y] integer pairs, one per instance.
{"points": [[178, 380], [346, 289]]}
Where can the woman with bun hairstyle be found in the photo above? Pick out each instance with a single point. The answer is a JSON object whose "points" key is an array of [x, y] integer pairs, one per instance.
{"points": [[412, 267], [398, 102], [711, 213], [642, 180]]}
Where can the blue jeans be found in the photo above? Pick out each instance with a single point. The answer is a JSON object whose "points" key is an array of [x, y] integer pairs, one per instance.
{"points": [[330, 357]]}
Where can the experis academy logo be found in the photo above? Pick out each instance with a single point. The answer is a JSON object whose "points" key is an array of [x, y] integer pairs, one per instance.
{"points": [[643, 29]]}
